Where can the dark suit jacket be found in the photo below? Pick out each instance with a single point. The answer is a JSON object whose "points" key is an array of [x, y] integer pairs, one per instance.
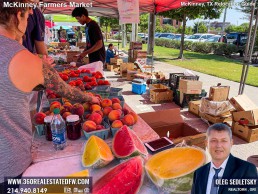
{"points": [[235, 168]]}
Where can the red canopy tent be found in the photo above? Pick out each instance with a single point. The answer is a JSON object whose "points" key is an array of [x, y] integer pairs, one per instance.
{"points": [[109, 8], [49, 24]]}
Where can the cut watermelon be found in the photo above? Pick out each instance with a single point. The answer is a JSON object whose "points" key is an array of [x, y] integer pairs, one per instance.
{"points": [[127, 177], [127, 144]]}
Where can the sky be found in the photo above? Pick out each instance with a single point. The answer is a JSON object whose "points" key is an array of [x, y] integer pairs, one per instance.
{"points": [[233, 16]]}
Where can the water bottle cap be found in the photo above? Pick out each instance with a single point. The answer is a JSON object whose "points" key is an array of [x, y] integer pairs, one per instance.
{"points": [[48, 119], [72, 118], [56, 111]]}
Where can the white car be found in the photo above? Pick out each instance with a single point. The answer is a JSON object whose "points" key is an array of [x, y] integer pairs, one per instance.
{"points": [[199, 37]]}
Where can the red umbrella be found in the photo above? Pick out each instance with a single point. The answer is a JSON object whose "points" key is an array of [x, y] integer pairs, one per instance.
{"points": [[49, 24]]}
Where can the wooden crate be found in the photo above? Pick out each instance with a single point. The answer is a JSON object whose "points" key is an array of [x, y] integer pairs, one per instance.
{"points": [[161, 95], [249, 134], [214, 119]]}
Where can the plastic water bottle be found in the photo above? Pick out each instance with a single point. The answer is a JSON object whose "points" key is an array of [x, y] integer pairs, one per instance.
{"points": [[58, 130]]}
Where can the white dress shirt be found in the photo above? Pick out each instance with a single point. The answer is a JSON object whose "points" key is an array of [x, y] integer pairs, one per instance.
{"points": [[212, 173]]}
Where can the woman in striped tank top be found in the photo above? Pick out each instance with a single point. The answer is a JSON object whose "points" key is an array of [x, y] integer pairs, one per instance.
{"points": [[20, 73]]}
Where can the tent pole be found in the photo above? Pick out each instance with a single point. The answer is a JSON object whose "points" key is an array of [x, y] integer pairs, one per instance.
{"points": [[247, 50], [250, 52], [151, 32]]}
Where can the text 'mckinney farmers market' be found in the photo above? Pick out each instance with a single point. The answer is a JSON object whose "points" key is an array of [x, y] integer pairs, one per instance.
{"points": [[42, 4]]}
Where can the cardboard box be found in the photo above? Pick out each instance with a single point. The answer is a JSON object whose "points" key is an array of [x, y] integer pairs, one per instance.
{"points": [[86, 60], [116, 61], [112, 67], [124, 67], [161, 95], [242, 103], [72, 56], [214, 119], [190, 86], [194, 107], [136, 45], [131, 73], [81, 44], [249, 134], [215, 108], [247, 117], [139, 54], [219, 93], [170, 123], [158, 86]]}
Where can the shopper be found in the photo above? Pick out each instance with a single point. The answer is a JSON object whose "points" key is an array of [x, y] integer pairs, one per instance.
{"points": [[95, 47], [222, 165], [110, 53], [20, 72]]}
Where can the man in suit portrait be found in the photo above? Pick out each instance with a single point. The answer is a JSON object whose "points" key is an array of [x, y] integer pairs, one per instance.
{"points": [[223, 164]]}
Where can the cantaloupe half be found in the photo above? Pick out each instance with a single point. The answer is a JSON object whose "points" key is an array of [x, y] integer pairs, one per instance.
{"points": [[172, 170], [96, 153]]}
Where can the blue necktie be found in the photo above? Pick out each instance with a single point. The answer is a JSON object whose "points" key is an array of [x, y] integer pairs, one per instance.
{"points": [[214, 188]]}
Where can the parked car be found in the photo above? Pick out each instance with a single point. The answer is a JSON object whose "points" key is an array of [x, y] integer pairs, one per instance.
{"points": [[199, 37], [217, 38], [143, 37], [239, 39], [164, 35]]}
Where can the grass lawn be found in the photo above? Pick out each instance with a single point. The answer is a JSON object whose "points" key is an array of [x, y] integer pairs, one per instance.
{"points": [[218, 66]]}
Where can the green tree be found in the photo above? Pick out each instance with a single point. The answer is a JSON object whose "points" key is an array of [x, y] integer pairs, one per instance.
{"points": [[168, 28], [233, 28], [144, 21], [108, 22], [246, 8], [192, 12], [200, 27], [188, 30]]}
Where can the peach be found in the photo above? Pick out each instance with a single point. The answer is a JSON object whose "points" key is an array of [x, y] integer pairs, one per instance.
{"points": [[87, 116], [106, 103], [86, 106], [65, 108], [125, 111], [114, 115], [99, 127], [116, 100], [77, 109], [99, 112], [96, 117], [89, 126], [128, 120], [116, 106], [135, 116], [39, 118], [95, 107], [54, 105], [67, 103], [117, 124], [66, 114], [107, 110]]}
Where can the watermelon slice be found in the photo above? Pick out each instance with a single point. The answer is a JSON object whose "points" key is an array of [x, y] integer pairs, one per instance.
{"points": [[126, 177], [127, 144]]}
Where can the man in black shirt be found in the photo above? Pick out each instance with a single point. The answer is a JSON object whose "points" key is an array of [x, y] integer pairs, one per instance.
{"points": [[94, 40]]}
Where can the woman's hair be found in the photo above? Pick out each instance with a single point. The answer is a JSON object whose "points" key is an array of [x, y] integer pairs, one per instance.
{"points": [[6, 13]]}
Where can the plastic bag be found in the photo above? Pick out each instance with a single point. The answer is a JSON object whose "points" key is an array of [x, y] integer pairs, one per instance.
{"points": [[93, 67], [188, 73]]}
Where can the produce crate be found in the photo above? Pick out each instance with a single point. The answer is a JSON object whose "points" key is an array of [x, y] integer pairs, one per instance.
{"points": [[103, 91], [116, 91], [114, 130], [138, 88], [85, 74], [121, 98], [40, 129], [186, 98], [59, 68], [103, 133], [175, 77]]}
